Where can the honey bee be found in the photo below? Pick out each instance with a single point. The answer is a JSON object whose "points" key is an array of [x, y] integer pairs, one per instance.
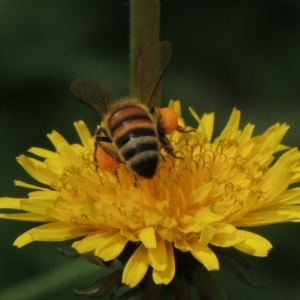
{"points": [[133, 130]]}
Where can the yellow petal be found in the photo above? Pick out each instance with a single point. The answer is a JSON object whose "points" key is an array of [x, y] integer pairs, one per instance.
{"points": [[207, 234], [158, 256], [199, 194], [57, 140], [225, 236], [136, 267], [296, 176], [207, 124], [30, 168], [39, 173], [89, 242], [111, 247], [182, 244], [90, 210], [165, 276], [271, 215], [226, 240], [29, 186], [54, 165], [246, 133], [232, 126], [276, 134], [13, 203], [249, 201], [205, 256], [175, 105], [253, 244], [23, 240], [290, 197], [281, 147], [51, 232], [147, 237], [37, 206], [42, 152], [30, 217], [84, 134], [208, 217], [195, 115]]}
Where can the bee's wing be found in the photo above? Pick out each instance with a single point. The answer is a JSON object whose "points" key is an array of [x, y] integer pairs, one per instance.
{"points": [[151, 66], [95, 94]]}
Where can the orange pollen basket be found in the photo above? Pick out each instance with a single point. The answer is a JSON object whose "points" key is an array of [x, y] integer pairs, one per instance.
{"points": [[105, 161], [169, 118]]}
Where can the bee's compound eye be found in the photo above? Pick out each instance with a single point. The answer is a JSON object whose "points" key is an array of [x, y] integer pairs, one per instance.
{"points": [[105, 161], [169, 119]]}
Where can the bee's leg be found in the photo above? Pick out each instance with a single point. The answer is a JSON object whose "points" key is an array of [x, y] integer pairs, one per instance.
{"points": [[108, 150], [167, 146], [135, 181], [161, 132], [181, 130], [102, 135], [103, 141], [163, 139], [117, 175], [162, 157], [153, 110]]}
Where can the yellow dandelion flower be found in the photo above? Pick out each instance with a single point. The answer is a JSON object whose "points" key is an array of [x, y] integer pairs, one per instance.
{"points": [[191, 205]]}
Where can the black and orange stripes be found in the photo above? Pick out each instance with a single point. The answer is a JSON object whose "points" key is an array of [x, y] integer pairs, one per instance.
{"points": [[135, 136]]}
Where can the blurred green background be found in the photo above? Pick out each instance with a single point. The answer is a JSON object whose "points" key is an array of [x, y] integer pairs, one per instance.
{"points": [[225, 54]]}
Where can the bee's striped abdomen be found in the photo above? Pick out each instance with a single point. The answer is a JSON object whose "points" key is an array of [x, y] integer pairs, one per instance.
{"points": [[134, 134]]}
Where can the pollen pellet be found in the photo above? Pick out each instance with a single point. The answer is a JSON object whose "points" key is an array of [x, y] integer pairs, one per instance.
{"points": [[105, 161], [169, 119]]}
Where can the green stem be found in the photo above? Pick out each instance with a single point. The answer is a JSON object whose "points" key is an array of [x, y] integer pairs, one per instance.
{"points": [[144, 32]]}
